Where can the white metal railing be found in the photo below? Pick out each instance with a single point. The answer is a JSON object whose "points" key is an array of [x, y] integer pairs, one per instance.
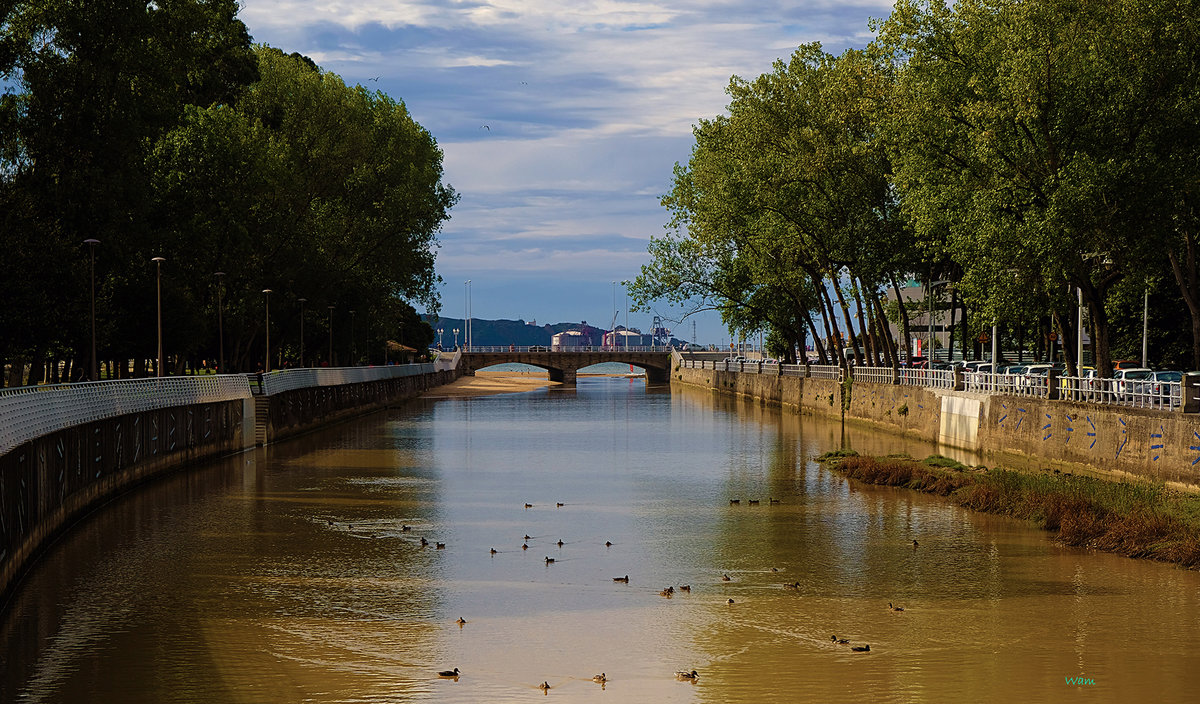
{"points": [[290, 379], [1137, 393], [30, 412], [1012, 384], [791, 369], [874, 375], [561, 348], [929, 378], [825, 371]]}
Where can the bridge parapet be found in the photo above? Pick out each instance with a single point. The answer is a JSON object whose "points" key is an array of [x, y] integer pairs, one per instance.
{"points": [[563, 366]]}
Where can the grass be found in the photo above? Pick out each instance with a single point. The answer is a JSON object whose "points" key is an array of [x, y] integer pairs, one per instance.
{"points": [[1135, 519]]}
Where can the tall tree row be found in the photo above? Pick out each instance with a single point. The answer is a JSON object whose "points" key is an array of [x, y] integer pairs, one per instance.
{"points": [[1023, 154], [161, 131]]}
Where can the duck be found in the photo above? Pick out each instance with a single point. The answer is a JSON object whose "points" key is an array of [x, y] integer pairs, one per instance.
{"points": [[494, 551], [549, 559], [774, 569], [528, 537], [449, 673], [461, 620], [560, 543], [667, 592], [524, 546], [600, 678], [624, 579], [544, 686], [730, 602], [772, 501], [791, 585], [560, 504], [441, 546], [405, 529], [685, 588], [726, 578], [608, 543], [894, 608], [685, 675], [528, 505], [862, 649], [734, 502], [330, 521], [839, 641], [753, 502], [916, 545], [424, 542]]}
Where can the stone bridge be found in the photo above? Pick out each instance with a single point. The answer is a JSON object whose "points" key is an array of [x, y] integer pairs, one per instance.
{"points": [[563, 365]]}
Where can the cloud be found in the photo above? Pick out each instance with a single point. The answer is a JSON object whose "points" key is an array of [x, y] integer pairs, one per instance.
{"points": [[560, 120]]}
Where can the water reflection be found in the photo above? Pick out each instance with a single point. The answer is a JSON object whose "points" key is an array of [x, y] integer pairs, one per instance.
{"points": [[299, 573]]}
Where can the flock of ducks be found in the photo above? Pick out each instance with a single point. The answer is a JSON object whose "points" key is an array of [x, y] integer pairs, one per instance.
{"points": [[668, 592]]}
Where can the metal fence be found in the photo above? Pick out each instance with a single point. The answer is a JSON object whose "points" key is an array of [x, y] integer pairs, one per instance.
{"points": [[30, 412], [1139, 393], [289, 379]]}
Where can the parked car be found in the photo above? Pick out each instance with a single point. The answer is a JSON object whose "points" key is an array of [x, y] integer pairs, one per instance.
{"points": [[1125, 382], [1164, 388]]}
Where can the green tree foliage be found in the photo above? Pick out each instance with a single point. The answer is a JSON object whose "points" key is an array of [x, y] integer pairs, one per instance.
{"points": [[159, 130], [785, 208], [1032, 135]]}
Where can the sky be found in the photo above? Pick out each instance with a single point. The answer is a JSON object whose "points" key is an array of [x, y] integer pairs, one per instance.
{"points": [[560, 122]]}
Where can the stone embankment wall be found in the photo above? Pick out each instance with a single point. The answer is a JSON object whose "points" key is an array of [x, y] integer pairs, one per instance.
{"points": [[1155, 444], [48, 483]]}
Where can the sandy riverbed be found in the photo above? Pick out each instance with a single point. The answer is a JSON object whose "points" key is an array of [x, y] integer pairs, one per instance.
{"points": [[486, 383]]}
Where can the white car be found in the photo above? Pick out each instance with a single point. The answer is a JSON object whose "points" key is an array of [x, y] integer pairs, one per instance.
{"points": [[1127, 382]]}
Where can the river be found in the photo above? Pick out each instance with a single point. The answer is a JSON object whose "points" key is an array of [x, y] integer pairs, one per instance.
{"points": [[297, 574]]}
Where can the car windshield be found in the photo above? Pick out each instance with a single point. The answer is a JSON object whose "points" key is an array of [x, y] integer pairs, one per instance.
{"points": [[1168, 376], [1139, 375]]}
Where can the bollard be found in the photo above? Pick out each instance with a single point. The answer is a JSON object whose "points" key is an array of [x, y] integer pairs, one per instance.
{"points": [[1052, 391], [1190, 388]]}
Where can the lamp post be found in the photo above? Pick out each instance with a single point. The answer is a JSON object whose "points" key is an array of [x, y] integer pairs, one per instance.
{"points": [[467, 316], [456, 338], [220, 324], [331, 336], [440, 330], [353, 358], [267, 299], [91, 243], [614, 332], [158, 370], [1145, 328], [302, 302]]}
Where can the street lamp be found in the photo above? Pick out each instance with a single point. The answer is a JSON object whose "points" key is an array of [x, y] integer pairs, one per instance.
{"points": [[302, 302], [267, 298], [440, 330], [220, 324], [353, 358], [455, 338], [91, 243], [158, 295], [467, 315], [331, 336]]}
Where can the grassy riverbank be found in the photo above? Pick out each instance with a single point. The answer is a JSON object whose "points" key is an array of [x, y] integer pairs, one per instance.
{"points": [[1134, 519]]}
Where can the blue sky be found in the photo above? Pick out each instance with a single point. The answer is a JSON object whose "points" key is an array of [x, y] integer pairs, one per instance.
{"points": [[560, 122]]}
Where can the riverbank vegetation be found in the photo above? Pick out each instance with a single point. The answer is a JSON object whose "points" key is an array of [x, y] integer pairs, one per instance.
{"points": [[160, 130], [1009, 156], [1135, 519]]}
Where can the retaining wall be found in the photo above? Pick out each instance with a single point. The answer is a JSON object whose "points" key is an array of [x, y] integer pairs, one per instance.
{"points": [[1161, 445]]}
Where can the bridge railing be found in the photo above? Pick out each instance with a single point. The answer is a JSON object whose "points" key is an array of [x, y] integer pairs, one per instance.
{"points": [[553, 348], [30, 412], [290, 379]]}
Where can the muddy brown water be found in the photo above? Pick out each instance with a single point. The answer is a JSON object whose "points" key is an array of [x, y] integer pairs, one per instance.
{"points": [[287, 575]]}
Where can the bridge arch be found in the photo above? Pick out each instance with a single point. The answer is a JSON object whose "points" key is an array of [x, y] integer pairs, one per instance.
{"points": [[563, 366]]}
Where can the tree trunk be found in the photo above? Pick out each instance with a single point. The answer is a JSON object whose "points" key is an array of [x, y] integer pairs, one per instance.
{"points": [[837, 288], [868, 331], [1186, 279], [905, 331]]}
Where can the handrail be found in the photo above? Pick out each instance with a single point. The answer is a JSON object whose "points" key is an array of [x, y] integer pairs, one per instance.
{"points": [[30, 412], [290, 379]]}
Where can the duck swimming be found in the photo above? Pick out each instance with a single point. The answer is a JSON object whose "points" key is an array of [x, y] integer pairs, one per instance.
{"points": [[839, 641], [726, 578], [528, 505], [600, 678], [549, 559], [685, 588], [685, 675], [424, 542], [524, 546], [894, 608], [441, 546], [494, 551], [624, 579], [449, 673], [544, 686], [863, 649], [461, 620], [560, 542], [608, 543]]}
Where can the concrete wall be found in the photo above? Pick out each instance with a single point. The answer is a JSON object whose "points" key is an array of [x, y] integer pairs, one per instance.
{"points": [[48, 483], [1155, 444]]}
